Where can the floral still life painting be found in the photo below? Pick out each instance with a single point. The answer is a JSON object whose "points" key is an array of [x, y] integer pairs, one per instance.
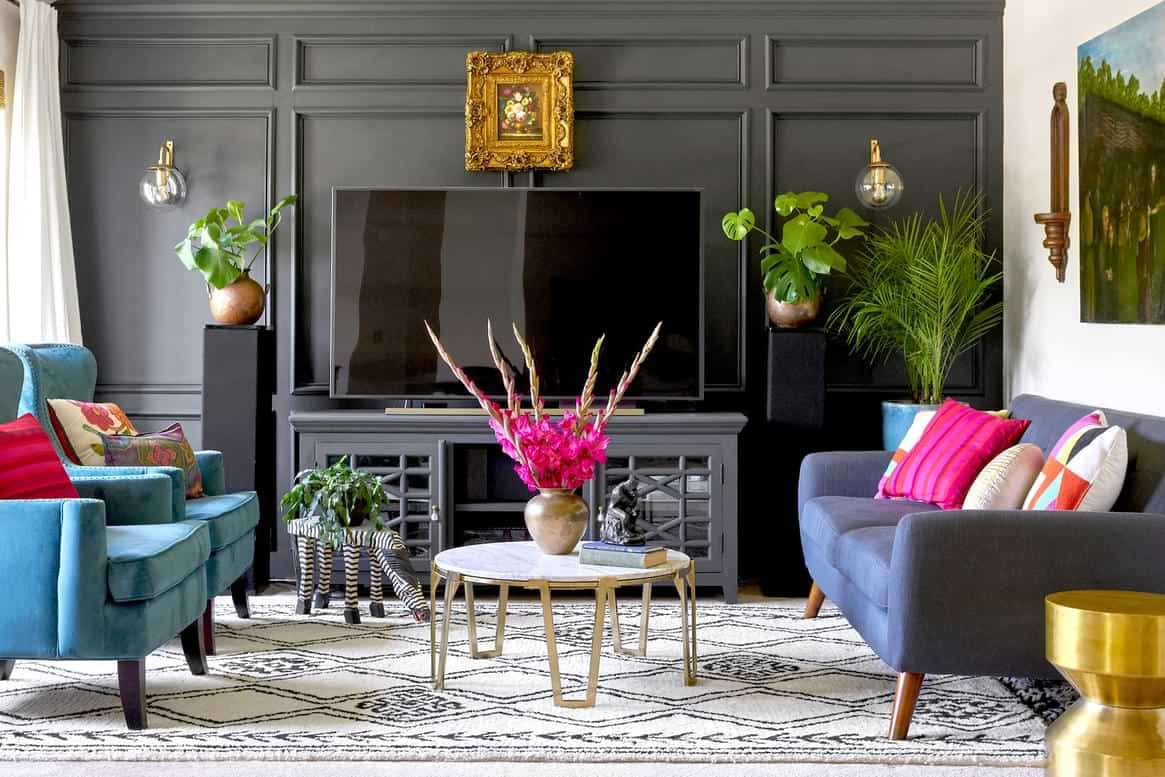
{"points": [[1122, 172], [519, 111]]}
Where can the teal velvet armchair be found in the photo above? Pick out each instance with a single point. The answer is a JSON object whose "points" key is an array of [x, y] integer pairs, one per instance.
{"points": [[81, 585], [63, 371]]}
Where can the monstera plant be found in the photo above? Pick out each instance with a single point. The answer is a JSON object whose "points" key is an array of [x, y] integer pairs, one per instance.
{"points": [[794, 266], [217, 248]]}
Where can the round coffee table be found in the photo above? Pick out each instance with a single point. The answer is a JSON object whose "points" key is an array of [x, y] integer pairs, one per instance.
{"points": [[521, 564]]}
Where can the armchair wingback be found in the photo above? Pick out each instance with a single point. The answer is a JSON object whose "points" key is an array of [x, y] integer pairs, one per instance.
{"points": [[961, 591], [78, 587], [65, 371]]}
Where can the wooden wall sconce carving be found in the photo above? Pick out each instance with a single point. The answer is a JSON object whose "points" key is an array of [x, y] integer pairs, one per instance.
{"points": [[1056, 222]]}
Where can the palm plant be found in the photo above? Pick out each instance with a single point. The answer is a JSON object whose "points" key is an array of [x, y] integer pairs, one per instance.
{"points": [[924, 289]]}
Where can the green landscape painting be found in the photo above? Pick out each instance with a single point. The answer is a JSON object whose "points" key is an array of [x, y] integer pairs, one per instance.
{"points": [[1122, 172]]}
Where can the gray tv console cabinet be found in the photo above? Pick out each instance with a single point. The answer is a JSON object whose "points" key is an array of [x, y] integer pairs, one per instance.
{"points": [[449, 483]]}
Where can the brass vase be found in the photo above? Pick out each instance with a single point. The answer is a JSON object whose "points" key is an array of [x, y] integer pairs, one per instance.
{"points": [[556, 519], [238, 303], [793, 315]]}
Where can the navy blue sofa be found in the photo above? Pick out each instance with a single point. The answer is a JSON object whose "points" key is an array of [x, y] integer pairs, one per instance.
{"points": [[962, 591]]}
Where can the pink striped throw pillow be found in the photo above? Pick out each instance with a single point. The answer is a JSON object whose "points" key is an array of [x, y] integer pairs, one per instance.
{"points": [[956, 445]]}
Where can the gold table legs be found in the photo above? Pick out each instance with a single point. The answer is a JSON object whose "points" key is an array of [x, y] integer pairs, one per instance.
{"points": [[605, 599]]}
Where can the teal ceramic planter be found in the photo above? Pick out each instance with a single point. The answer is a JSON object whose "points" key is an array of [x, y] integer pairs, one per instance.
{"points": [[897, 416]]}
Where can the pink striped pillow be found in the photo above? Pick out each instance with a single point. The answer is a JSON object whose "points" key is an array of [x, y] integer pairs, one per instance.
{"points": [[956, 445]]}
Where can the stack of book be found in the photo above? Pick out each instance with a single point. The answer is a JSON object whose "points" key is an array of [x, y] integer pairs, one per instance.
{"points": [[604, 554]]}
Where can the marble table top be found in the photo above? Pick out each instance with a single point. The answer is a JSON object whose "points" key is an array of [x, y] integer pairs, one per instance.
{"points": [[522, 561]]}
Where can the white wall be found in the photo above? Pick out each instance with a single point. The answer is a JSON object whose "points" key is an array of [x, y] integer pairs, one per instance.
{"points": [[1046, 348]]}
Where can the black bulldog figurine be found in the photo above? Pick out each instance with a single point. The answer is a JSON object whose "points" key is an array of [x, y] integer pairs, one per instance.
{"points": [[620, 520]]}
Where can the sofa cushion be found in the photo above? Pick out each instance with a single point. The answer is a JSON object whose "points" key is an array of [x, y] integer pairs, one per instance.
{"points": [[228, 516], [955, 446], [863, 556], [79, 426], [827, 518], [29, 467], [165, 448], [146, 561]]}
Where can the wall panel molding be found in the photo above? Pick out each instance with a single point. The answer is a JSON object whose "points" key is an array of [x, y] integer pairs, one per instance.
{"points": [[299, 386], [108, 384], [874, 63], [881, 380], [742, 118], [375, 61], [655, 61], [143, 62], [524, 9]]}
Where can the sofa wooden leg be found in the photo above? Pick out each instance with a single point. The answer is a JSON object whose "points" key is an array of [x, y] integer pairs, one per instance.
{"points": [[239, 597], [131, 681], [206, 622], [6, 665], [905, 697], [194, 648], [816, 599]]}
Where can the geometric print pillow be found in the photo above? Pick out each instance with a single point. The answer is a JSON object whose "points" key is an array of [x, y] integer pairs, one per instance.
{"points": [[79, 426], [1085, 469], [167, 448]]}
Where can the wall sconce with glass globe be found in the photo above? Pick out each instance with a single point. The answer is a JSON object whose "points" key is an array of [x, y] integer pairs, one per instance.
{"points": [[879, 185], [163, 185]]}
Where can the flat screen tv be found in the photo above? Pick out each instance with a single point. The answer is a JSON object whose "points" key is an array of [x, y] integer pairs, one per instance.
{"points": [[564, 265]]}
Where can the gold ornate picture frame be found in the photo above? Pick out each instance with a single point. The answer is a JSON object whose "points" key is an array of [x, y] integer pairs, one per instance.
{"points": [[519, 111]]}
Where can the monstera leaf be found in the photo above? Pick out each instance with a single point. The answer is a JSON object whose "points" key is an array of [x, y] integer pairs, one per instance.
{"points": [[737, 225], [215, 248]]}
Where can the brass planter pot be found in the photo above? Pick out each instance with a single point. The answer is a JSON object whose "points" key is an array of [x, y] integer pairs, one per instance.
{"points": [[556, 519], [239, 303], [793, 315]]}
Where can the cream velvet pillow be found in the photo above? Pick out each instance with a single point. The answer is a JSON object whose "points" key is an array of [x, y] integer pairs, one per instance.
{"points": [[1005, 481]]}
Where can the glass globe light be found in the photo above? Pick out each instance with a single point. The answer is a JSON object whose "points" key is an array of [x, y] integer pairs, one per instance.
{"points": [[163, 185], [879, 184]]}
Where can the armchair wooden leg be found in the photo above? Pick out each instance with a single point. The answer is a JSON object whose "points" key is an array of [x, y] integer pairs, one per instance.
{"points": [[6, 668], [194, 648], [816, 599], [239, 597], [131, 680], [206, 622], [905, 697]]}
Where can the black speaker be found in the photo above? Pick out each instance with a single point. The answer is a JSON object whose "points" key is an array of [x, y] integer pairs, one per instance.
{"points": [[796, 384], [238, 381]]}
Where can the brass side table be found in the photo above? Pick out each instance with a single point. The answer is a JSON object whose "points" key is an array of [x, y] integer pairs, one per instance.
{"points": [[1111, 646], [521, 564]]}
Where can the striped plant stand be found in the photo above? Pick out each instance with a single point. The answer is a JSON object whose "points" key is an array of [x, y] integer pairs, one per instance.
{"points": [[387, 557]]}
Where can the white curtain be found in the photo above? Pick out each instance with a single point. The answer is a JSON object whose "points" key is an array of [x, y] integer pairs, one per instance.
{"points": [[42, 282], [9, 30]]}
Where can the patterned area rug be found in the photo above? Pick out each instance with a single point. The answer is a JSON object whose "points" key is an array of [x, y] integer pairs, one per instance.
{"points": [[773, 687]]}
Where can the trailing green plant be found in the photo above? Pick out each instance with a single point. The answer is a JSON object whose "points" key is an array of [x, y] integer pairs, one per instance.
{"points": [[338, 497], [924, 289], [216, 248], [793, 268]]}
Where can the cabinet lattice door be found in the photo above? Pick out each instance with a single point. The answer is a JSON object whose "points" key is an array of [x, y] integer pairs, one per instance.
{"points": [[678, 500]]}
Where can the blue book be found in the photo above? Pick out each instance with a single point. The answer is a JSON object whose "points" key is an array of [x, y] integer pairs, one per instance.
{"points": [[608, 546]]}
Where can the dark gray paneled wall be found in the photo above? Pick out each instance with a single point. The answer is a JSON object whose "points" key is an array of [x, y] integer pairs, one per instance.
{"points": [[741, 98]]}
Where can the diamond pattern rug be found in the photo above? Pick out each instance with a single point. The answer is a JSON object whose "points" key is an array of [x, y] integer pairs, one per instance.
{"points": [[772, 687]]}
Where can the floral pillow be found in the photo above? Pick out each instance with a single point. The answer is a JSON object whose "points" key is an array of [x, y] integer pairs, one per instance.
{"points": [[79, 426], [167, 448]]}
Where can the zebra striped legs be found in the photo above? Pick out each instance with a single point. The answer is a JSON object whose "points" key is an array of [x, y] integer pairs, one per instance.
{"points": [[306, 575], [376, 587], [324, 584], [351, 578]]}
